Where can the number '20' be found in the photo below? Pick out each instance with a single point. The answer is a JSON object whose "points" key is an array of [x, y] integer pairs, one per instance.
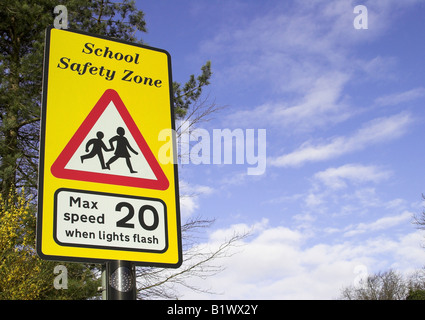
{"points": [[123, 223]]}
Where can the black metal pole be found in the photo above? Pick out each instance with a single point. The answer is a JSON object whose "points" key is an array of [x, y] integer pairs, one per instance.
{"points": [[121, 280]]}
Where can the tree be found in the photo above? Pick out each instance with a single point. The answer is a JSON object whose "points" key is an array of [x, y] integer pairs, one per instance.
{"points": [[416, 284], [22, 29], [22, 274], [418, 294], [419, 220], [388, 285], [199, 262], [22, 32], [20, 270], [191, 92], [21, 41]]}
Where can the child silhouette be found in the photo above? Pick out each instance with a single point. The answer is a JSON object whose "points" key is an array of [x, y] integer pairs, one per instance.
{"points": [[121, 150], [98, 145]]}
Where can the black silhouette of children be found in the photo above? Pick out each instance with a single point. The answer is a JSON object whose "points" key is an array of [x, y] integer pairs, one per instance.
{"points": [[121, 150], [98, 145]]}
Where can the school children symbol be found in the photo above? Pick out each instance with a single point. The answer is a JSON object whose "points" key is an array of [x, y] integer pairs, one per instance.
{"points": [[109, 148], [122, 148]]}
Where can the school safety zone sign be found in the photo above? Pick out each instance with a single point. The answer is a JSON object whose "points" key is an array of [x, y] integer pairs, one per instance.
{"points": [[103, 193]]}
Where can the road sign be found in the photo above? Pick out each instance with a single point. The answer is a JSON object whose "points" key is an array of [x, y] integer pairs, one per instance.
{"points": [[103, 193], [110, 118]]}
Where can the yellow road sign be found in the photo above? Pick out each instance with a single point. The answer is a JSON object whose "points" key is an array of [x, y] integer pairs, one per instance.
{"points": [[103, 193]]}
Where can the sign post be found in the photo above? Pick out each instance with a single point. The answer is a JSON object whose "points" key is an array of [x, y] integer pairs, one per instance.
{"points": [[104, 195], [121, 278]]}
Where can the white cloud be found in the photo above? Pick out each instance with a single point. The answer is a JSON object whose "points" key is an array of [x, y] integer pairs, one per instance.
{"points": [[189, 197], [375, 131], [300, 59], [300, 55], [401, 97], [218, 235], [279, 263], [293, 44], [320, 105], [313, 200], [382, 223], [336, 178], [381, 68], [188, 205], [286, 50], [194, 189]]}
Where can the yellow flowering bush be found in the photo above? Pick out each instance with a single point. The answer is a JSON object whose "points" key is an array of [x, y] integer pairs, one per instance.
{"points": [[20, 268]]}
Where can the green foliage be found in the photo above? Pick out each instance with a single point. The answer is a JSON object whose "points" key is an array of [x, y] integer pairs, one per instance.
{"points": [[22, 25], [114, 19], [19, 266], [23, 275], [388, 285], [22, 32], [416, 295], [191, 91], [83, 282]]}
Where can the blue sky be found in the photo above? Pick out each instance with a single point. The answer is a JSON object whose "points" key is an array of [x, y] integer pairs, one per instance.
{"points": [[343, 112]]}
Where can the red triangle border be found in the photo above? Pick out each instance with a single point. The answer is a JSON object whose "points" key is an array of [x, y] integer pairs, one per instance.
{"points": [[58, 168]]}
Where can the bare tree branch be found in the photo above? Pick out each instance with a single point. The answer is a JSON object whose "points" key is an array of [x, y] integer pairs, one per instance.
{"points": [[389, 285], [200, 261], [199, 112]]}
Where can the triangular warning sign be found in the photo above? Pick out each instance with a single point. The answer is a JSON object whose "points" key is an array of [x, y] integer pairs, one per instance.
{"points": [[109, 148]]}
